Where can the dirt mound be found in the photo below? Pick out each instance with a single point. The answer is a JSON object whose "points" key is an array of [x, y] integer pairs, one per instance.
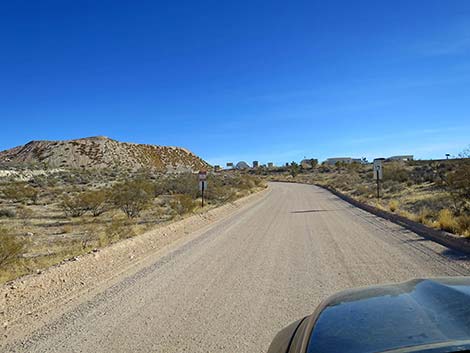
{"points": [[102, 152]]}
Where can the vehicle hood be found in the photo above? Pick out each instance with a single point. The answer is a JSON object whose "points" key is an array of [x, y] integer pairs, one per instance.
{"points": [[382, 318]]}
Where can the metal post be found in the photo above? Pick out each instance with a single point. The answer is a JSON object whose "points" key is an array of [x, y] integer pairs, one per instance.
{"points": [[378, 183], [202, 190]]}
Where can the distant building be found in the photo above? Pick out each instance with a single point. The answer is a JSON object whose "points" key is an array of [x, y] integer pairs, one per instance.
{"points": [[400, 158], [230, 164], [345, 160], [242, 165], [270, 164], [255, 164]]}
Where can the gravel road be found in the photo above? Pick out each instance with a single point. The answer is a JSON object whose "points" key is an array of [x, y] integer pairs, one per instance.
{"points": [[233, 286]]}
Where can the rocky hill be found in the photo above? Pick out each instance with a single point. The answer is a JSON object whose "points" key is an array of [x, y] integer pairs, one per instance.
{"points": [[101, 152]]}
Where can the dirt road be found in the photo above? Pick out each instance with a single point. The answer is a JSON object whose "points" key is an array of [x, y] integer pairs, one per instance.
{"points": [[231, 288]]}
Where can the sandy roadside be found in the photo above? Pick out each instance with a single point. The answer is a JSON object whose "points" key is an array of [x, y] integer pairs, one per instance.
{"points": [[29, 302]]}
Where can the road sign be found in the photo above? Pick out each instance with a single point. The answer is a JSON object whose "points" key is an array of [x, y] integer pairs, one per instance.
{"points": [[378, 170], [378, 173], [202, 175]]}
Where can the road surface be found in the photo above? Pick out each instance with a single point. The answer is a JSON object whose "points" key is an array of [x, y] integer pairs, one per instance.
{"points": [[233, 287]]}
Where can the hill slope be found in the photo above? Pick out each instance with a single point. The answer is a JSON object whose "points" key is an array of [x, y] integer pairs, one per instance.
{"points": [[102, 152]]}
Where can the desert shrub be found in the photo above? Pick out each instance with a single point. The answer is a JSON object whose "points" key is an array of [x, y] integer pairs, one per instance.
{"points": [[118, 229], [392, 186], [72, 206], [361, 190], [182, 204], [393, 205], [10, 247], [463, 222], [132, 196], [447, 221], [94, 201], [395, 171], [423, 216], [20, 192], [24, 213], [294, 169], [457, 183], [185, 183], [5, 212]]}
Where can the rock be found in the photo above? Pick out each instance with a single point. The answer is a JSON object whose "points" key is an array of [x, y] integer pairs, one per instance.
{"points": [[29, 234]]}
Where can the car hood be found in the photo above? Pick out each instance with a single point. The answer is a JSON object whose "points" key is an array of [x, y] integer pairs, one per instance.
{"points": [[382, 318]]}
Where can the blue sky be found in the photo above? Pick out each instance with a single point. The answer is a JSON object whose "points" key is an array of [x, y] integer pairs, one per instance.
{"points": [[240, 80]]}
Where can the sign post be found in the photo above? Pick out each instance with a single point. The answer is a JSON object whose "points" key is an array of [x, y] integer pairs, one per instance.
{"points": [[378, 173], [202, 177]]}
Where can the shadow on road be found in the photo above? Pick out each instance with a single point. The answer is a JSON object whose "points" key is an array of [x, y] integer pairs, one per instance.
{"points": [[311, 211]]}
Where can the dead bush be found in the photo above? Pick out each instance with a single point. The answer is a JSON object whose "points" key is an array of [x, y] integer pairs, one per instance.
{"points": [[447, 221], [10, 247], [395, 171], [183, 204], [457, 183], [72, 206], [463, 222], [423, 216], [393, 205], [118, 229], [24, 213], [20, 192]]}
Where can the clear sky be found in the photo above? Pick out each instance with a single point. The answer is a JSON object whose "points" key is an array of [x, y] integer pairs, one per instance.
{"points": [[240, 80]]}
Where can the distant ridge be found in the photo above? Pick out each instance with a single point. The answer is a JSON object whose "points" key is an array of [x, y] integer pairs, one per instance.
{"points": [[100, 152]]}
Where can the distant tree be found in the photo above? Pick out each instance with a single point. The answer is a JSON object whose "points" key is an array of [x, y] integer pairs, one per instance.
{"points": [[95, 201], [72, 206], [313, 162], [294, 169], [133, 196]]}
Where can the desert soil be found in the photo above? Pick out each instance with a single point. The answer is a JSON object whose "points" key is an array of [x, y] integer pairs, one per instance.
{"points": [[223, 281]]}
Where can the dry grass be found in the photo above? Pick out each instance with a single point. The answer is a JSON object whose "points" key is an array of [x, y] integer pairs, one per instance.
{"points": [[447, 221], [393, 205], [420, 191], [51, 233]]}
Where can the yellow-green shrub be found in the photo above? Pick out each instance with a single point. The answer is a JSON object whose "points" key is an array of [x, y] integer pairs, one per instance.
{"points": [[447, 221]]}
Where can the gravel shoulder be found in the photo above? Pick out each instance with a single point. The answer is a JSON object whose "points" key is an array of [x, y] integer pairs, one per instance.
{"points": [[28, 303], [227, 285]]}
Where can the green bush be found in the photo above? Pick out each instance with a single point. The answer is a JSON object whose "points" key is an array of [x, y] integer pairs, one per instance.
{"points": [[133, 196], [94, 201]]}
